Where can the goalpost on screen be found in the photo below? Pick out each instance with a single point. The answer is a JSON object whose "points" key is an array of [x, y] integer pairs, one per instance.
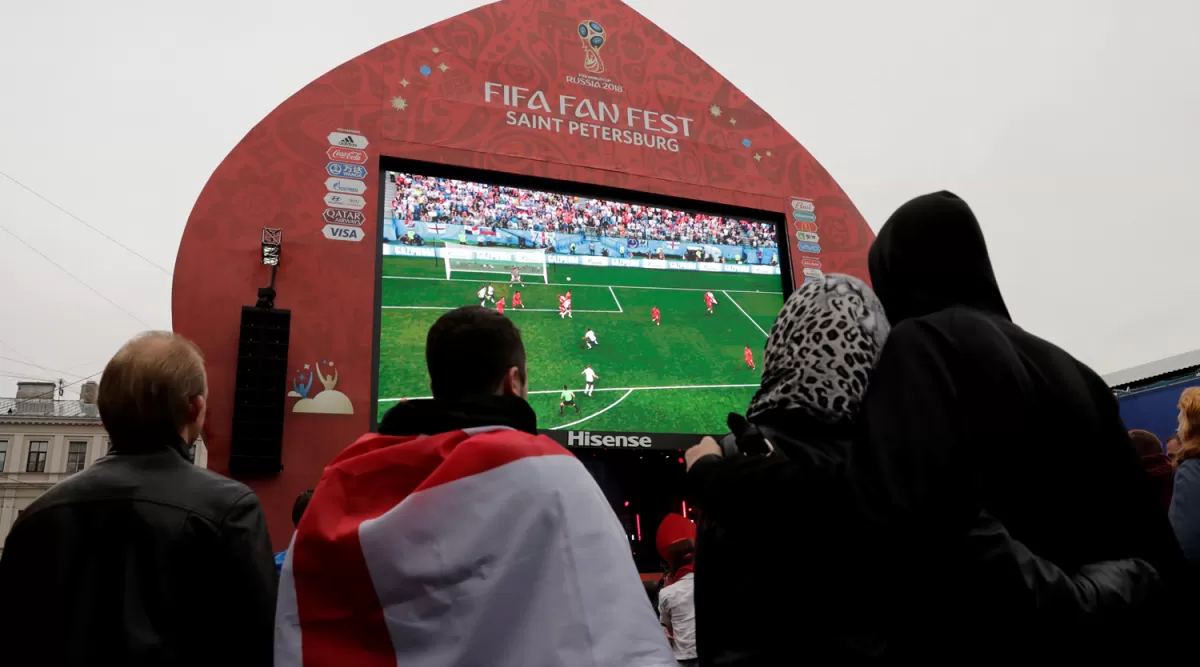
{"points": [[472, 259]]}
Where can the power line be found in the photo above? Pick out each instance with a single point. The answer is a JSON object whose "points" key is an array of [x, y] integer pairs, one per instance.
{"points": [[76, 278], [29, 362], [85, 224], [51, 392]]}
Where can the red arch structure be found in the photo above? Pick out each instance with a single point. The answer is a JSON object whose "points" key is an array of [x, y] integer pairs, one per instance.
{"points": [[550, 88]]}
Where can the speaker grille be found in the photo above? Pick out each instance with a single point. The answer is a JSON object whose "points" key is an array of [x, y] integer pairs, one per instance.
{"points": [[260, 396]]}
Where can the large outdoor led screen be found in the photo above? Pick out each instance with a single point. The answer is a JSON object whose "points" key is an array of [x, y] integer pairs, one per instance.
{"points": [[666, 310]]}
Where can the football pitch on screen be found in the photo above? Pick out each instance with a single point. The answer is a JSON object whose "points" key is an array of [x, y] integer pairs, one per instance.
{"points": [[683, 376]]}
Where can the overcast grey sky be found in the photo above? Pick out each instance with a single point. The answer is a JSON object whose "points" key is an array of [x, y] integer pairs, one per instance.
{"points": [[1069, 125]]}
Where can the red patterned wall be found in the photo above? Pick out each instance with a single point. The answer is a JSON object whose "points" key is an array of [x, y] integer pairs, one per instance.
{"points": [[445, 94]]}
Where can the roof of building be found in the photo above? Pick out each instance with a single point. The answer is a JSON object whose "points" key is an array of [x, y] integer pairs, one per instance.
{"points": [[44, 408], [1163, 368]]}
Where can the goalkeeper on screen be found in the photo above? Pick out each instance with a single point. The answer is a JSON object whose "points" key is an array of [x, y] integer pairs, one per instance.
{"points": [[516, 277], [567, 398]]}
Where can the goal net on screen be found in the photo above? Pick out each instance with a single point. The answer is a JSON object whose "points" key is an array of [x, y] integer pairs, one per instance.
{"points": [[472, 259]]}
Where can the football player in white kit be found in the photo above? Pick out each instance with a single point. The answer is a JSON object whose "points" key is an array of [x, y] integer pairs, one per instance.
{"points": [[482, 295], [491, 293], [589, 380], [590, 338]]}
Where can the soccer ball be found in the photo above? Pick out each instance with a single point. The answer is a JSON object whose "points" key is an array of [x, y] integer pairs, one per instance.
{"points": [[568, 278]]}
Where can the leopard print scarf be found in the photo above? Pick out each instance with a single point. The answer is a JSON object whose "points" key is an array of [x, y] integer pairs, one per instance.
{"points": [[821, 350]]}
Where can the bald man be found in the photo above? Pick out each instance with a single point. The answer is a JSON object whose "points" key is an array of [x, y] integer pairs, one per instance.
{"points": [[142, 558]]}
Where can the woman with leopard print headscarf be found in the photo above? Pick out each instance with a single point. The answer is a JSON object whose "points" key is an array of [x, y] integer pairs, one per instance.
{"points": [[791, 506]]}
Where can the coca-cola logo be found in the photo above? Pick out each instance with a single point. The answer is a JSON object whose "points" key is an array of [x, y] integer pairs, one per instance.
{"points": [[337, 216], [351, 155]]}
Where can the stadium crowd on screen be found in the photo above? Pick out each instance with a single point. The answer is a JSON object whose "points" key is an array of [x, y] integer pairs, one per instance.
{"points": [[430, 199]]}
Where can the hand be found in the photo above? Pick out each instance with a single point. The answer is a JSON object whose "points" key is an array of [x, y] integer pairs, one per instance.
{"points": [[696, 452]]}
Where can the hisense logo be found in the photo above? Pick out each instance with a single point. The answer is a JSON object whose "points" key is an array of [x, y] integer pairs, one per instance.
{"points": [[587, 439]]}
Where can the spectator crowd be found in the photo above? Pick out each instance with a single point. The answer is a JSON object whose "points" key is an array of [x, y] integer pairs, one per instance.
{"points": [[445, 200], [917, 480]]}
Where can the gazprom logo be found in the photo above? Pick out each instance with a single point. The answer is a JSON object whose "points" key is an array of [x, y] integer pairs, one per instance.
{"points": [[588, 439]]}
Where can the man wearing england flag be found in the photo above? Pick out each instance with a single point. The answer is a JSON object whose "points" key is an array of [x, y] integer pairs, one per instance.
{"points": [[458, 536]]}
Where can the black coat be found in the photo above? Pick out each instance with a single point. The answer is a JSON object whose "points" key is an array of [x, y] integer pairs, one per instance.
{"points": [[966, 413], [141, 559], [777, 552]]}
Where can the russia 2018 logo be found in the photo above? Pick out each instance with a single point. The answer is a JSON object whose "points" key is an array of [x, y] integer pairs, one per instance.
{"points": [[592, 34]]}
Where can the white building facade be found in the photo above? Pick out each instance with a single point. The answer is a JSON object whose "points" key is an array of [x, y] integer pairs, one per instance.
{"points": [[44, 440]]}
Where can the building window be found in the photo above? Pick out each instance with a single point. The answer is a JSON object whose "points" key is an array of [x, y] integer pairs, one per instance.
{"points": [[76, 456], [3, 454], [37, 456]]}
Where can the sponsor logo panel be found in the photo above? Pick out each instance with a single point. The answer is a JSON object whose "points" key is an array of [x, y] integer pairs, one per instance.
{"points": [[351, 155], [345, 201], [342, 233], [346, 170], [338, 216], [345, 186], [347, 140]]}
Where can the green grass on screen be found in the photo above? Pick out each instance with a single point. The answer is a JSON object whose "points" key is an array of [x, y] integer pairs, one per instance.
{"points": [[685, 375]]}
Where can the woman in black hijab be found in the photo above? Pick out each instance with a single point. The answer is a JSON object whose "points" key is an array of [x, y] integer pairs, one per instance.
{"points": [[967, 414], [826, 553]]}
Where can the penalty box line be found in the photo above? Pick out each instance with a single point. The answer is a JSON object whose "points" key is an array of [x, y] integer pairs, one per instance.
{"points": [[531, 282], [628, 389], [507, 311], [739, 307]]}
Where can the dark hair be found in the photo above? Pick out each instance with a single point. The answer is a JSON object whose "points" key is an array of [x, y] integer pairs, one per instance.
{"points": [[469, 350], [300, 505], [1145, 443]]}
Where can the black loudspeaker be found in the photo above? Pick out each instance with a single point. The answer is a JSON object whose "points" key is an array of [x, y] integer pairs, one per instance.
{"points": [[260, 397]]}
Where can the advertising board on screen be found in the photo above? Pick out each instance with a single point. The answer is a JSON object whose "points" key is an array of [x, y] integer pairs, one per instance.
{"points": [[643, 326]]}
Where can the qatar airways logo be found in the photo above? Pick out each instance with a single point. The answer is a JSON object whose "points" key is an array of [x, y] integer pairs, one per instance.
{"points": [[587, 439]]}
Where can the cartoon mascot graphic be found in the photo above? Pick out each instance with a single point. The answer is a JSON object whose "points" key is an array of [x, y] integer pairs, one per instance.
{"points": [[592, 34]]}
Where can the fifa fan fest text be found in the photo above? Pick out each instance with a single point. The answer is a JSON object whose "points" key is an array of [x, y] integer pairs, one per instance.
{"points": [[587, 118]]}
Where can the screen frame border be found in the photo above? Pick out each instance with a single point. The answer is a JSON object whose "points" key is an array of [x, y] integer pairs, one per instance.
{"points": [[575, 189]]}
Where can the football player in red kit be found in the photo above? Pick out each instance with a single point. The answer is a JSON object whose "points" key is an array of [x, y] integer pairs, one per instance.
{"points": [[500, 307], [750, 358], [654, 314], [517, 301], [709, 301]]}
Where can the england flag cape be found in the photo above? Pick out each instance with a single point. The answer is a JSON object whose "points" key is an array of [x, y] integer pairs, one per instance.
{"points": [[483, 546]]}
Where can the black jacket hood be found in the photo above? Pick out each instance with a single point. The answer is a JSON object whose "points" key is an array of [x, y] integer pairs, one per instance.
{"points": [[430, 416], [931, 255]]}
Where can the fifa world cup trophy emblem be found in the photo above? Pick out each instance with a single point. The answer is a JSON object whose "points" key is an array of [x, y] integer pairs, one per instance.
{"points": [[592, 34]]}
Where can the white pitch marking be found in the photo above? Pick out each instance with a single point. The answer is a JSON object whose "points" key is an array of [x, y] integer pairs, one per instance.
{"points": [[610, 291], [739, 307], [507, 311], [596, 414], [555, 391], [669, 289]]}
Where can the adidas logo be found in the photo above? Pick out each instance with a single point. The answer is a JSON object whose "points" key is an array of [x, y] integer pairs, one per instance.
{"points": [[348, 141]]}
